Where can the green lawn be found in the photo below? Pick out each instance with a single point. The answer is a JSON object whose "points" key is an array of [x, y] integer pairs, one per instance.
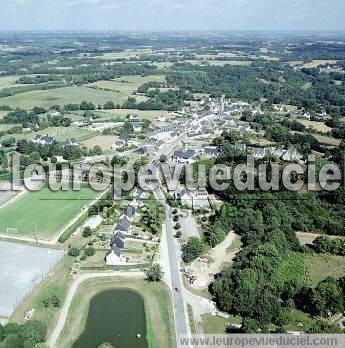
{"points": [[310, 269], [142, 114], [79, 134], [46, 210], [217, 325], [61, 96]]}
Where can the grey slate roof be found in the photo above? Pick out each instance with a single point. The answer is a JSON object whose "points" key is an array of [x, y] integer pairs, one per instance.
{"points": [[114, 249], [123, 225], [184, 154], [130, 211]]}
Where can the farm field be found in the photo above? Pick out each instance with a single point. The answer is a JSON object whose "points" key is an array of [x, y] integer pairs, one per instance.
{"points": [[126, 85], [49, 211], [5, 127], [60, 133], [124, 54], [327, 140], [60, 96], [323, 139], [221, 62], [315, 63], [8, 81]]}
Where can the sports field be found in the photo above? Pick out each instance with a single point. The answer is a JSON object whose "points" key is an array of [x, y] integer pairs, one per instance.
{"points": [[61, 96], [22, 268], [43, 213]]}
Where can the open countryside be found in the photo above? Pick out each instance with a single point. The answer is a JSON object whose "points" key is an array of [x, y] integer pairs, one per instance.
{"points": [[153, 263]]}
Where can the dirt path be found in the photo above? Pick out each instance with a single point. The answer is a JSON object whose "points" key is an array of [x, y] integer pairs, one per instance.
{"points": [[205, 267], [71, 292]]}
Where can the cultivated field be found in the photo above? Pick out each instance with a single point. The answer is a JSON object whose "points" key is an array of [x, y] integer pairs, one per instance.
{"points": [[43, 213], [22, 267], [220, 62], [61, 96]]}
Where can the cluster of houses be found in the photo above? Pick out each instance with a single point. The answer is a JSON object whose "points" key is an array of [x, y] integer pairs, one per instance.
{"points": [[196, 199], [46, 140], [122, 229], [188, 156], [289, 155]]}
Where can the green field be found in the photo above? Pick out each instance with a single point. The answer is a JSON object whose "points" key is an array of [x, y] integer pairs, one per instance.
{"points": [[127, 84], [310, 269], [44, 210], [79, 134], [61, 96], [8, 81], [142, 114]]}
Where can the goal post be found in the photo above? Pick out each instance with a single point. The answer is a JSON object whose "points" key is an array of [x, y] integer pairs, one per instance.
{"points": [[11, 231]]}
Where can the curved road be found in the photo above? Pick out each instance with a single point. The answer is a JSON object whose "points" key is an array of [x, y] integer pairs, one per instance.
{"points": [[71, 292]]}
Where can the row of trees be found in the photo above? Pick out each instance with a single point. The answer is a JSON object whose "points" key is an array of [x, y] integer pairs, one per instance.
{"points": [[26, 119], [34, 152]]}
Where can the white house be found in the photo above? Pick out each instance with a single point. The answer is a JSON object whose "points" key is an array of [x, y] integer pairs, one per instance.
{"points": [[184, 156], [113, 256], [259, 152]]}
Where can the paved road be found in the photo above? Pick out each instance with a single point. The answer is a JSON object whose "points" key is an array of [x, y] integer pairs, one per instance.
{"points": [[181, 324], [180, 314], [71, 292]]}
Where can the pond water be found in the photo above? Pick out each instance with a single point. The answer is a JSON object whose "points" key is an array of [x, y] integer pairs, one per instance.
{"points": [[115, 317]]}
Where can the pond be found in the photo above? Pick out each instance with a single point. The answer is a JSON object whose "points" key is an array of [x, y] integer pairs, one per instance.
{"points": [[116, 317]]}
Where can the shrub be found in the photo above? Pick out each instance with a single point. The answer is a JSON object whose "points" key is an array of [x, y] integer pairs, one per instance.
{"points": [[87, 232], [177, 226], [73, 251], [89, 251], [155, 273], [51, 302]]}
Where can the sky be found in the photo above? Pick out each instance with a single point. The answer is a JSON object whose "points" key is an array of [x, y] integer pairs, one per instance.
{"points": [[141, 15]]}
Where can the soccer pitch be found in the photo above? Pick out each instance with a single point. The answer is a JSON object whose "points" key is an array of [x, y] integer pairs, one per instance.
{"points": [[43, 213]]}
